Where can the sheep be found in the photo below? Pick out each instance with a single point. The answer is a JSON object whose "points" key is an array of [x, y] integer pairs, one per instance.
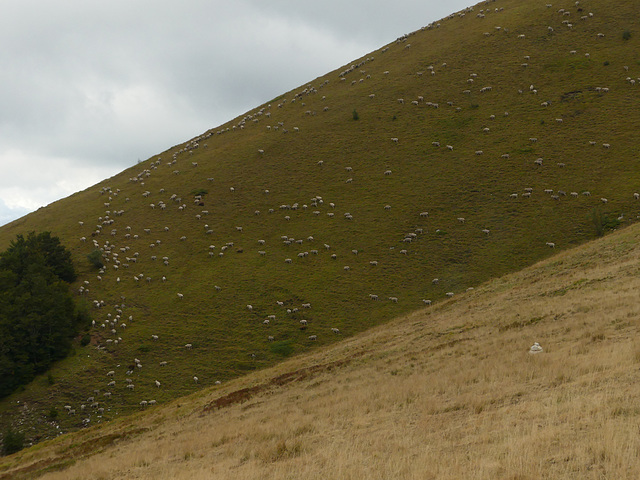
{"points": [[188, 346], [157, 383], [426, 302], [393, 299], [111, 373], [195, 379], [180, 296], [394, 140], [551, 245], [535, 348], [313, 338]]}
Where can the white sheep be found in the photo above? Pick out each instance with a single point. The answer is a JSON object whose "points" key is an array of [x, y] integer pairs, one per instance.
{"points": [[535, 348]]}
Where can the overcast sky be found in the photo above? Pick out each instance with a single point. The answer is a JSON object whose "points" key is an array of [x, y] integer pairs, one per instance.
{"points": [[88, 88]]}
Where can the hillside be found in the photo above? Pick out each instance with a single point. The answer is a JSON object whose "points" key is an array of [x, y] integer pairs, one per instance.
{"points": [[538, 106], [447, 392]]}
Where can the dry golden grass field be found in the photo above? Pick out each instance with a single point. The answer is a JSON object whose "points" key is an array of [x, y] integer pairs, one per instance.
{"points": [[448, 392]]}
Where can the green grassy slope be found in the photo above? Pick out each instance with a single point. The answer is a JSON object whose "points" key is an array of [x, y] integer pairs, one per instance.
{"points": [[319, 152]]}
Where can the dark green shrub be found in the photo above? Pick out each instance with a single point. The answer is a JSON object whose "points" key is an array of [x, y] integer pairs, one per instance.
{"points": [[50, 379], [355, 115], [626, 35], [602, 222], [283, 348], [85, 340], [95, 259], [12, 442], [53, 413], [199, 192], [606, 63]]}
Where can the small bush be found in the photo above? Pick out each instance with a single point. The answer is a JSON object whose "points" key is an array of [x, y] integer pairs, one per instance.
{"points": [[85, 340], [355, 115], [95, 258], [199, 192], [283, 348], [50, 379], [606, 63], [12, 442], [602, 222], [53, 413], [626, 35]]}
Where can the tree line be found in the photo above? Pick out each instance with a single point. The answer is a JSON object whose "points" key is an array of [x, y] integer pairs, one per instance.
{"points": [[38, 316]]}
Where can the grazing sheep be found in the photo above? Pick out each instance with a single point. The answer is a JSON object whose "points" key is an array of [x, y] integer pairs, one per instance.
{"points": [[157, 383], [535, 348]]}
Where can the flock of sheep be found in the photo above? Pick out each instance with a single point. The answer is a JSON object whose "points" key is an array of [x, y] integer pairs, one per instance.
{"points": [[128, 249]]}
